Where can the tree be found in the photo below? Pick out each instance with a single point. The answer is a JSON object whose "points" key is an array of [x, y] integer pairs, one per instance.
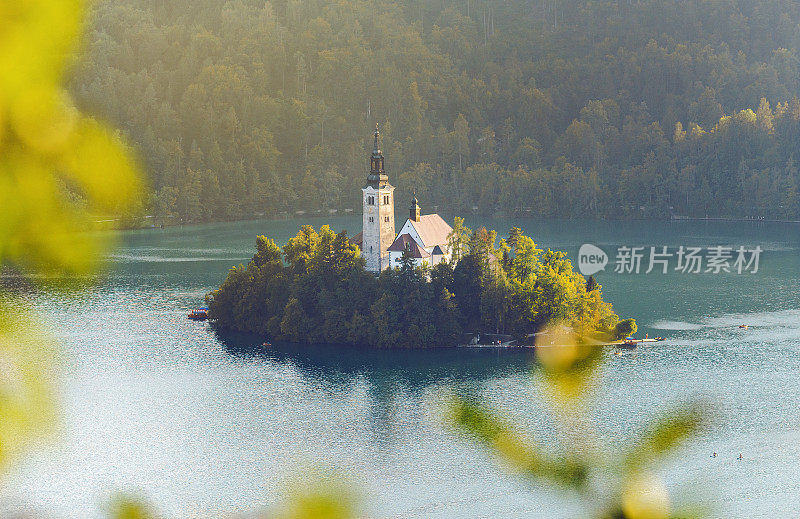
{"points": [[457, 240], [625, 328], [461, 138], [407, 265]]}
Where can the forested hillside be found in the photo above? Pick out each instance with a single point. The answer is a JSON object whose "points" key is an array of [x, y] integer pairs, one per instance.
{"points": [[539, 107]]}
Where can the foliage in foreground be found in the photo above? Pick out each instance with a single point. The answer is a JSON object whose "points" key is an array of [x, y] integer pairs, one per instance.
{"points": [[316, 289], [612, 483], [312, 494], [59, 169]]}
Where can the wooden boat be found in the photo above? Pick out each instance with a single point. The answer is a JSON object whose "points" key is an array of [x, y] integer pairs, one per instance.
{"points": [[199, 314]]}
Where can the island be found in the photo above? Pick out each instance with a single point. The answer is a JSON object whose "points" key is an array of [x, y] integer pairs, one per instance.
{"points": [[428, 285], [316, 289]]}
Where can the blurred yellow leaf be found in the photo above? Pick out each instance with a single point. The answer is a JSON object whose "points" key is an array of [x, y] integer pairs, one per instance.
{"points": [[616, 482], [39, 232], [50, 154], [127, 507], [36, 37], [319, 496], [43, 118], [101, 166], [27, 411], [569, 361], [645, 497]]}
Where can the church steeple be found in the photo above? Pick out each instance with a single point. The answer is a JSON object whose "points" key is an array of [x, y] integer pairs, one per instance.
{"points": [[377, 176], [413, 210], [377, 226]]}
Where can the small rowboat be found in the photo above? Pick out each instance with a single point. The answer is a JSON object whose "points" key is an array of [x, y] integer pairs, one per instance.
{"points": [[199, 314]]}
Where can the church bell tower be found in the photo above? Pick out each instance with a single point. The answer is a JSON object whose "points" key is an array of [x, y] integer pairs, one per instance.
{"points": [[378, 214]]}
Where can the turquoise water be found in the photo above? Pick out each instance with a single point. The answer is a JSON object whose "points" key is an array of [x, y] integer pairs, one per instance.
{"points": [[205, 424]]}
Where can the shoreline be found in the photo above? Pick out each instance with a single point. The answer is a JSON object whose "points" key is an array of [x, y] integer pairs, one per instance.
{"points": [[729, 219], [674, 218]]}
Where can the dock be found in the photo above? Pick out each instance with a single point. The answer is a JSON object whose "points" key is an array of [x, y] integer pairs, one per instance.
{"points": [[633, 342], [514, 344]]}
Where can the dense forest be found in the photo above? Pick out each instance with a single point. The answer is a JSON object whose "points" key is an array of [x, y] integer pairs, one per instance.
{"points": [[316, 290], [600, 108]]}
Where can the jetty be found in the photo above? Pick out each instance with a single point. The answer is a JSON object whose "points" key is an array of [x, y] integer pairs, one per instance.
{"points": [[633, 342], [505, 341], [490, 340]]}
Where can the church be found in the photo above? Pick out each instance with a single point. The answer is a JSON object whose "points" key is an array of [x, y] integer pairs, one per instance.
{"points": [[424, 235]]}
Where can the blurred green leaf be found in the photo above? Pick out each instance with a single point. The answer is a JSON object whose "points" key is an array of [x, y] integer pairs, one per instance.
{"points": [[666, 434], [520, 454]]}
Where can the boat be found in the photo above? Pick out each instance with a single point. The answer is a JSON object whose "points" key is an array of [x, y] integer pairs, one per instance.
{"points": [[199, 314], [629, 342], [743, 326]]}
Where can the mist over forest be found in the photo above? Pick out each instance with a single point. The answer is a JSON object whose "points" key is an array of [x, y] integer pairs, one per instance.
{"points": [[546, 108]]}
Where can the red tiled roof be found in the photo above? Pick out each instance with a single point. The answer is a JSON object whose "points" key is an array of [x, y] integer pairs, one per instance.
{"points": [[358, 239], [400, 243], [432, 230]]}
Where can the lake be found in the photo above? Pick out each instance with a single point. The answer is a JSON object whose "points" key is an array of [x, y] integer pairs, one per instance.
{"points": [[204, 425]]}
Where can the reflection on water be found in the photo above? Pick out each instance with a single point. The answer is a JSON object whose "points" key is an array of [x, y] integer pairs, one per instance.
{"points": [[336, 364], [208, 423]]}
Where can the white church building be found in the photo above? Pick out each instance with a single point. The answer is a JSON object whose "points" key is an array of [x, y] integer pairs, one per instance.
{"points": [[424, 235]]}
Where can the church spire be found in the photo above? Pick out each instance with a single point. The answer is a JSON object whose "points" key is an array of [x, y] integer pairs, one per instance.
{"points": [[377, 225], [377, 176], [413, 210]]}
